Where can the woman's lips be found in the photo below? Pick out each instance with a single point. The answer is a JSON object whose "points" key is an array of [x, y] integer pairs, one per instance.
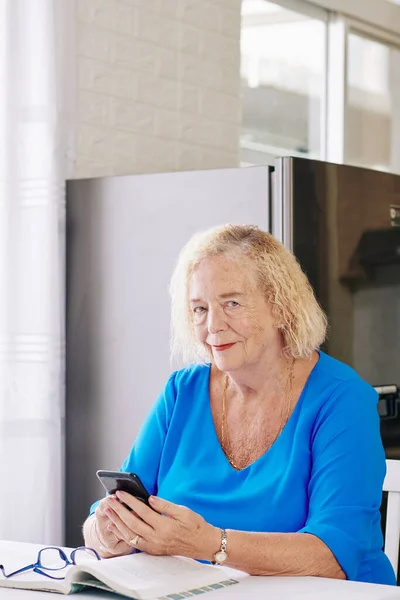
{"points": [[223, 347]]}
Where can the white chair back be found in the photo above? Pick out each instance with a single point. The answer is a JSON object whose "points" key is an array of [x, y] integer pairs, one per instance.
{"points": [[392, 533]]}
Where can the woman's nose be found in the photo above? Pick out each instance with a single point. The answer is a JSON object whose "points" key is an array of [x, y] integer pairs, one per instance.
{"points": [[216, 320]]}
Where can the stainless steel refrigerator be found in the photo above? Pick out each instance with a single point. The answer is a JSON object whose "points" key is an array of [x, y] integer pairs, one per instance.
{"points": [[123, 238], [342, 223]]}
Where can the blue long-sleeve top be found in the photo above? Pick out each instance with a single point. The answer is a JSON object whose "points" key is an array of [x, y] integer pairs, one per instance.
{"points": [[323, 475]]}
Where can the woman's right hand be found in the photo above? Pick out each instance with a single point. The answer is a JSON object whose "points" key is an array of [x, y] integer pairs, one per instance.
{"points": [[110, 540]]}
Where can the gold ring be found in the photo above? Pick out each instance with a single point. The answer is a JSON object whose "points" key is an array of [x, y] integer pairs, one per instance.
{"points": [[135, 540]]}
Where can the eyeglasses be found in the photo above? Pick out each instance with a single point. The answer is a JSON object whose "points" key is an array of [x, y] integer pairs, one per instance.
{"points": [[55, 559]]}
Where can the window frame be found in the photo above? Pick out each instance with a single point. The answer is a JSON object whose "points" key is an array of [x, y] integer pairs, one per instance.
{"points": [[380, 14], [339, 30], [377, 20]]}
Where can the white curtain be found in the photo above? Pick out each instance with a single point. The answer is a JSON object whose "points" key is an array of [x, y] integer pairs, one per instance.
{"points": [[37, 53]]}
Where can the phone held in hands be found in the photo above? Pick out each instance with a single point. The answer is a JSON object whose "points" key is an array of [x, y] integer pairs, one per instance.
{"points": [[113, 481]]}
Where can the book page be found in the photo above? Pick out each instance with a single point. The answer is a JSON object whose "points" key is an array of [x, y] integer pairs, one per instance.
{"points": [[147, 577]]}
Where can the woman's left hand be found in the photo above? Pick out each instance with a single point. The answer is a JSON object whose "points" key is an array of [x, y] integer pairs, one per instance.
{"points": [[163, 529]]}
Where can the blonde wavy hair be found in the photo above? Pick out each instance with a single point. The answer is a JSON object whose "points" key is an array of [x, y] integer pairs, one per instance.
{"points": [[298, 315]]}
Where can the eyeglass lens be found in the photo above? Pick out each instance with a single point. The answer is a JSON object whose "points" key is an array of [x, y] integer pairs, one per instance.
{"points": [[82, 554], [52, 559]]}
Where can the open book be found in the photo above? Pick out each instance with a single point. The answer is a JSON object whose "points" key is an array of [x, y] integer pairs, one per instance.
{"points": [[138, 576]]}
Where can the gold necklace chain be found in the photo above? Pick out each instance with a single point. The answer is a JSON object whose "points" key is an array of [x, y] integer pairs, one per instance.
{"points": [[226, 443]]}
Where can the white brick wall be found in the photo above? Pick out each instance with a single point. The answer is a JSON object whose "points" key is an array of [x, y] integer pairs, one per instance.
{"points": [[158, 85]]}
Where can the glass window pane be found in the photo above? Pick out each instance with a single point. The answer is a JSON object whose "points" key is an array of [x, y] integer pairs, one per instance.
{"points": [[283, 56], [373, 92]]}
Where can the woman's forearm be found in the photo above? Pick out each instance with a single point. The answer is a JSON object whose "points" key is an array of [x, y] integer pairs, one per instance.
{"points": [[296, 554]]}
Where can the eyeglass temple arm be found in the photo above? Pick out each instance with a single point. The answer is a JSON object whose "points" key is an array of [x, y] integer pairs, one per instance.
{"points": [[18, 571]]}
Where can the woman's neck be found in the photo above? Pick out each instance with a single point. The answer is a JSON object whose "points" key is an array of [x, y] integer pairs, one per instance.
{"points": [[268, 378]]}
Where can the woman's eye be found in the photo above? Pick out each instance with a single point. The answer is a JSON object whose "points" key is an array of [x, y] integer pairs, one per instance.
{"points": [[232, 304], [199, 309]]}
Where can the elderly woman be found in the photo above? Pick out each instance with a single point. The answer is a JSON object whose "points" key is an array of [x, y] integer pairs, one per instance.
{"points": [[264, 453]]}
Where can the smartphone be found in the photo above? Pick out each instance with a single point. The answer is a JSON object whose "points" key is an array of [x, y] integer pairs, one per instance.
{"points": [[126, 482]]}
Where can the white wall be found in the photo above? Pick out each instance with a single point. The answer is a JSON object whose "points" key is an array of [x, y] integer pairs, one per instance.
{"points": [[158, 85]]}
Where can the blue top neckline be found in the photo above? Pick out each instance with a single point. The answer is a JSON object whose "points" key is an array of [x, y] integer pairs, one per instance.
{"points": [[282, 434]]}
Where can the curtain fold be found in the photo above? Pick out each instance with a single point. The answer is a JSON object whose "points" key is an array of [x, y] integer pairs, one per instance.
{"points": [[37, 56]]}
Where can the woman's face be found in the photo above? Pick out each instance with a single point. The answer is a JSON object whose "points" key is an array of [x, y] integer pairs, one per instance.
{"points": [[231, 316]]}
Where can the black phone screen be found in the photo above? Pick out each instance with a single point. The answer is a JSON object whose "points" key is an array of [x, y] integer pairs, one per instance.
{"points": [[113, 481]]}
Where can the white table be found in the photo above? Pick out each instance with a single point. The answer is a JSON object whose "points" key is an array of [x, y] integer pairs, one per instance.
{"points": [[250, 588]]}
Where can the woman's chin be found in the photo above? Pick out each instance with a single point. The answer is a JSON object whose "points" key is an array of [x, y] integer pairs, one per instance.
{"points": [[226, 363]]}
